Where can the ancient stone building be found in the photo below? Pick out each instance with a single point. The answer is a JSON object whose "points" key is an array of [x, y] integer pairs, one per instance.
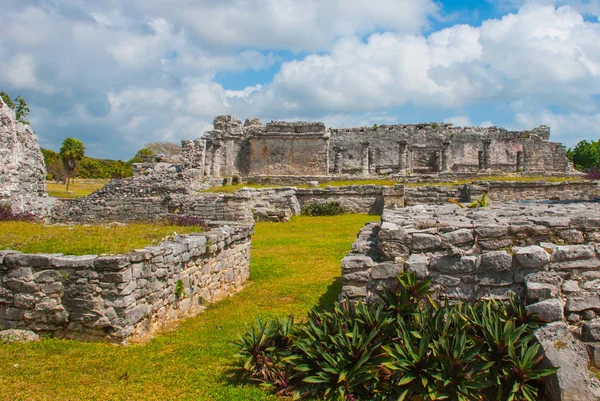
{"points": [[283, 148], [22, 171]]}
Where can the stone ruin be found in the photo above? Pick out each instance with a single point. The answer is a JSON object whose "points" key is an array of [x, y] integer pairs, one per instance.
{"points": [[22, 170], [297, 149], [548, 254], [545, 253]]}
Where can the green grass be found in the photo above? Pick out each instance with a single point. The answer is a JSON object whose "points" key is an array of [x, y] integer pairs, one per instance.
{"points": [[356, 182], [491, 178], [83, 240], [232, 188], [294, 266], [77, 189]]}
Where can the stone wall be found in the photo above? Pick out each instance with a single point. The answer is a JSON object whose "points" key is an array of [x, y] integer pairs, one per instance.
{"points": [[503, 191], [544, 252], [122, 297], [285, 148], [22, 171], [355, 198], [535, 190], [309, 148]]}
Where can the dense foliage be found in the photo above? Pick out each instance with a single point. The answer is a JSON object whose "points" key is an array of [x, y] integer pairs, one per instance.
{"points": [[322, 209], [407, 348], [586, 155]]}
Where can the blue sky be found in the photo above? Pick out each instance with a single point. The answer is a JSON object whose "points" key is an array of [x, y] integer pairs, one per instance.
{"points": [[121, 73]]}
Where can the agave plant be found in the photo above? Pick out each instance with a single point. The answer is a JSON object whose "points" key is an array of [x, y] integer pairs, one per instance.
{"points": [[266, 352]]}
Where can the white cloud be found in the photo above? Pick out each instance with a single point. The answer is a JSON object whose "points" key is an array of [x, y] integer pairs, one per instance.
{"points": [[459, 121], [546, 53], [140, 71], [568, 128], [290, 24]]}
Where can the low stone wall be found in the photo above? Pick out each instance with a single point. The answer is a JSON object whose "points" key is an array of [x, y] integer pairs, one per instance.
{"points": [[122, 297], [355, 198], [541, 251], [503, 191], [545, 254]]}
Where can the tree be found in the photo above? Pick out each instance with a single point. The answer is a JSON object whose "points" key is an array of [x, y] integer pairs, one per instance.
{"points": [[586, 155], [71, 152], [18, 104]]}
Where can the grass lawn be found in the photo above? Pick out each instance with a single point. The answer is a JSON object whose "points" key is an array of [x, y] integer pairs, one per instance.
{"points": [[233, 188], [81, 187], [294, 266], [509, 178], [83, 240]]}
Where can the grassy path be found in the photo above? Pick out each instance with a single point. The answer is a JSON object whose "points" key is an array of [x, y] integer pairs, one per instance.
{"points": [[294, 266]]}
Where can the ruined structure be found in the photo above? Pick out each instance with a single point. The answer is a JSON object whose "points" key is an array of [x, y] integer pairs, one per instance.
{"points": [[545, 254], [118, 298], [282, 148], [22, 171]]}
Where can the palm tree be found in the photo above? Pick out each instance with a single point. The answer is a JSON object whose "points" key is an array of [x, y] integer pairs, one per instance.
{"points": [[71, 152]]}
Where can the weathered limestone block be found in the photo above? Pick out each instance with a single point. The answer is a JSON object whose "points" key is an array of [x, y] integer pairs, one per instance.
{"points": [[572, 236], [16, 335], [421, 242], [572, 252], [582, 303], [532, 257], [385, 271], [572, 381], [590, 331], [541, 290], [459, 237], [418, 263], [491, 231], [549, 310], [454, 264], [356, 262], [495, 261]]}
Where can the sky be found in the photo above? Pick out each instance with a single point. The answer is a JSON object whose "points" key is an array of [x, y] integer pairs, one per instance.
{"points": [[118, 74]]}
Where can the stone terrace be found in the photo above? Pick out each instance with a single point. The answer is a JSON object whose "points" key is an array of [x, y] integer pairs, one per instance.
{"points": [[545, 251]]}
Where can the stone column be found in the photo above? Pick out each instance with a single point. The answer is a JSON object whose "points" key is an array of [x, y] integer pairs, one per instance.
{"points": [[519, 161], [215, 166], [200, 146], [445, 147], [364, 158], [480, 160], [187, 153], [339, 160], [411, 160], [486, 154], [402, 155]]}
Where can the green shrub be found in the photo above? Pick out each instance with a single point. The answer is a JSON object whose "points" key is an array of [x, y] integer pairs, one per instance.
{"points": [[322, 209], [406, 348]]}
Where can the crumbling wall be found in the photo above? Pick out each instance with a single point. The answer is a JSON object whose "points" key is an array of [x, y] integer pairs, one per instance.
{"points": [[537, 251], [309, 149], [22, 171], [503, 191], [122, 297], [284, 148]]}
